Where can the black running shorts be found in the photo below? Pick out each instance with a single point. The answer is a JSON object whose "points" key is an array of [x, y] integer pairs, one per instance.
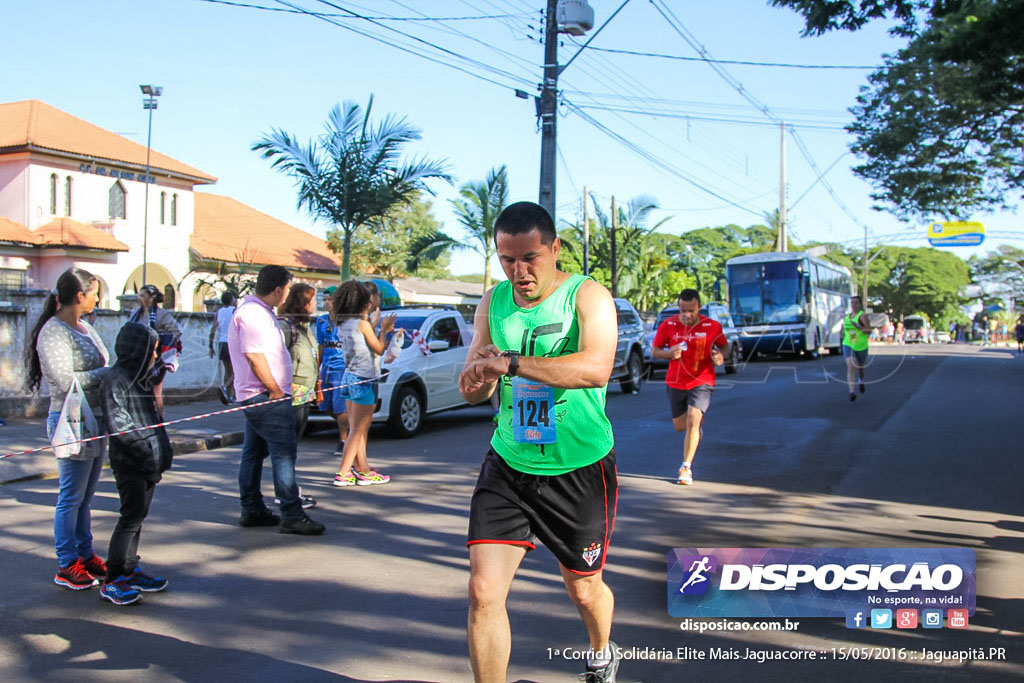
{"points": [[572, 514], [699, 397]]}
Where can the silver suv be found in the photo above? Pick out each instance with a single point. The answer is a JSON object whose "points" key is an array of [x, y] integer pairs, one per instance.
{"points": [[717, 312], [629, 353]]}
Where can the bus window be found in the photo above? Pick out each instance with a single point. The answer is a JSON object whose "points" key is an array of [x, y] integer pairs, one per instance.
{"points": [[782, 300]]}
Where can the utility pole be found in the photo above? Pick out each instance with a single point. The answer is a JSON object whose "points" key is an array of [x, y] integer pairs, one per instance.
{"points": [[868, 258], [783, 237], [615, 258], [547, 110], [586, 234]]}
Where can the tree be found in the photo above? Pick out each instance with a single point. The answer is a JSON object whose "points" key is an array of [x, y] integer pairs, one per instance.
{"points": [[941, 125], [477, 209], [922, 280], [1001, 272], [352, 174], [385, 246]]}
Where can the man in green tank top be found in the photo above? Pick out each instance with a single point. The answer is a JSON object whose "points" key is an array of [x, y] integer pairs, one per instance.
{"points": [[855, 345], [545, 340]]}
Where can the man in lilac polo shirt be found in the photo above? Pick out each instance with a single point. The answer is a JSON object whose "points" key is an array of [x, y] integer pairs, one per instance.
{"points": [[263, 371]]}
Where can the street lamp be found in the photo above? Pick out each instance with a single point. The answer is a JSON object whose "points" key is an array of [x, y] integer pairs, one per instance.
{"points": [[151, 92]]}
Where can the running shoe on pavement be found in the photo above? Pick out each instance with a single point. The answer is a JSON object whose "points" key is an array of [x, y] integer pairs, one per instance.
{"points": [[119, 592], [140, 580], [370, 478], [604, 674], [96, 567], [340, 480], [74, 576], [685, 476], [340, 450]]}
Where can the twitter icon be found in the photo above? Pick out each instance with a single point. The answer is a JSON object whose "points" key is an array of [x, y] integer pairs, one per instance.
{"points": [[881, 618]]}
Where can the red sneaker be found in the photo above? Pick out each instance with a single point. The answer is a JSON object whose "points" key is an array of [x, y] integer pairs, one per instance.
{"points": [[96, 567], [74, 577]]}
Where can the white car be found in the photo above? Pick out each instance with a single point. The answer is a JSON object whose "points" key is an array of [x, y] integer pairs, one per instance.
{"points": [[425, 377]]}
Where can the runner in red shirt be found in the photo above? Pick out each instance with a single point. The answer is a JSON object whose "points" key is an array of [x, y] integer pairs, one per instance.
{"points": [[692, 344]]}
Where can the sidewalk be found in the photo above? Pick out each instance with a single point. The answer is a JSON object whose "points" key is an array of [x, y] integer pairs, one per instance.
{"points": [[24, 433]]}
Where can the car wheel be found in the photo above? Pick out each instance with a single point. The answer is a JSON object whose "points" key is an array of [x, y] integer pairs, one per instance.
{"points": [[406, 416], [635, 374], [732, 363]]}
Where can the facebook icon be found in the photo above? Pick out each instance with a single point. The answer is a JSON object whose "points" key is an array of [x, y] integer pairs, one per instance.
{"points": [[855, 618]]}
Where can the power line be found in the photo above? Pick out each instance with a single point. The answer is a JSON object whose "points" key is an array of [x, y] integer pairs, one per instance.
{"points": [[698, 117], [349, 16], [654, 159], [732, 61], [435, 46], [412, 51], [705, 56]]}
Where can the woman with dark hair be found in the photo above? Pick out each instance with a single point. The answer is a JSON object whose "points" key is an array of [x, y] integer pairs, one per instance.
{"points": [[66, 348], [361, 345], [294, 316], [159, 319]]}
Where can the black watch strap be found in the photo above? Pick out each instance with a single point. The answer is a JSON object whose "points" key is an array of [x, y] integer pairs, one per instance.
{"points": [[513, 362]]}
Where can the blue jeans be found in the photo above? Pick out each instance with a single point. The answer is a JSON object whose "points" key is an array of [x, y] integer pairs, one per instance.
{"points": [[269, 430], [72, 520]]}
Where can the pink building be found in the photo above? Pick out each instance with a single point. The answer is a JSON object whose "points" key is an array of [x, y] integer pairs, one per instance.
{"points": [[74, 194]]}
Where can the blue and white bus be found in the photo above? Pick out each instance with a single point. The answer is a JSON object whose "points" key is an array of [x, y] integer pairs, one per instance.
{"points": [[788, 302]]}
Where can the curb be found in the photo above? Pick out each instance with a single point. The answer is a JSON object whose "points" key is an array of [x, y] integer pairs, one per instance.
{"points": [[179, 446]]}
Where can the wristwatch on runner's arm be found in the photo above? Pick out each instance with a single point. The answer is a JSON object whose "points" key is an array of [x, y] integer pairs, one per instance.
{"points": [[513, 362]]}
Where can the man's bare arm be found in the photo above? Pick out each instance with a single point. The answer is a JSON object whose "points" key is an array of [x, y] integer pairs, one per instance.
{"points": [[476, 390]]}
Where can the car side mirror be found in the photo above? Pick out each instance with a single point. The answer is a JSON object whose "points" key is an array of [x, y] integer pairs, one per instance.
{"points": [[438, 345]]}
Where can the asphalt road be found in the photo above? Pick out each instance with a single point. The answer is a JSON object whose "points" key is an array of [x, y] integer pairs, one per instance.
{"points": [[929, 456]]}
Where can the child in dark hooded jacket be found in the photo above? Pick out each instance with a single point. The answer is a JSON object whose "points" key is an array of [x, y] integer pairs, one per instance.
{"points": [[137, 459]]}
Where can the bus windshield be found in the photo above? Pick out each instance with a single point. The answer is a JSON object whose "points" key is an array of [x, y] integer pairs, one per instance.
{"points": [[766, 293]]}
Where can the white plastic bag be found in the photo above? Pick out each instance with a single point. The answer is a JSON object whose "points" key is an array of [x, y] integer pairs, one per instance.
{"points": [[394, 350], [74, 414]]}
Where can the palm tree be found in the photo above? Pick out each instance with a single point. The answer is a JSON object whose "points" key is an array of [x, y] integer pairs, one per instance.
{"points": [[477, 209], [352, 173]]}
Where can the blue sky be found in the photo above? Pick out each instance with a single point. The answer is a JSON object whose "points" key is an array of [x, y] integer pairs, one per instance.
{"points": [[230, 74]]}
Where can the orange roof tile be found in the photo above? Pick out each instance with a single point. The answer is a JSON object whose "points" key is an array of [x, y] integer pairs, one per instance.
{"points": [[228, 230], [70, 233], [11, 231], [36, 124]]}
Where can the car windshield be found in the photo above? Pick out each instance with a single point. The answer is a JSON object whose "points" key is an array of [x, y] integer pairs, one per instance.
{"points": [[913, 323], [766, 293]]}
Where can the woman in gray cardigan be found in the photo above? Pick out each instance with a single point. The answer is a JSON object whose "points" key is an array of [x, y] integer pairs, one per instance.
{"points": [[65, 348], [150, 314]]}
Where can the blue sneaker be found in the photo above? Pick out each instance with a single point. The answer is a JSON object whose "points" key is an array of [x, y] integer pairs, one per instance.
{"points": [[142, 581], [119, 592]]}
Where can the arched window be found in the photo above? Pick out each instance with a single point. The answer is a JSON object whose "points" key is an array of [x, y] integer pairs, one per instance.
{"points": [[174, 209], [116, 203], [53, 193], [67, 196], [163, 206]]}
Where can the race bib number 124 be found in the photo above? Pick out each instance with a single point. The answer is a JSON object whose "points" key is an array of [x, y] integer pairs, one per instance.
{"points": [[533, 412]]}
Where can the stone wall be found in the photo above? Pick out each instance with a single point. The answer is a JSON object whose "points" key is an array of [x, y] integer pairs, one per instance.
{"points": [[197, 376]]}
